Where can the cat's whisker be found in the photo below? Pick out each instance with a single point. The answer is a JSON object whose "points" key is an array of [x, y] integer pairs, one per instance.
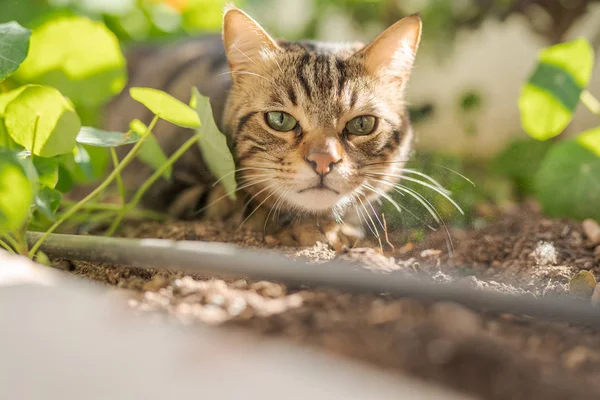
{"points": [[237, 189], [242, 169], [402, 209], [427, 205], [274, 207], [260, 205], [457, 173], [387, 162], [413, 172], [427, 185], [376, 231]]}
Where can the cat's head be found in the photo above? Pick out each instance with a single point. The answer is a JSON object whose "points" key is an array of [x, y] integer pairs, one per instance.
{"points": [[318, 127]]}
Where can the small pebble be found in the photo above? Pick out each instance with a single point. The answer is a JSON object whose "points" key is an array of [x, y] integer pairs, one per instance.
{"points": [[455, 319], [592, 230]]}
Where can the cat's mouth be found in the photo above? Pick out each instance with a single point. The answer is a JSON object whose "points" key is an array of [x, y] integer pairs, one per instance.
{"points": [[319, 187]]}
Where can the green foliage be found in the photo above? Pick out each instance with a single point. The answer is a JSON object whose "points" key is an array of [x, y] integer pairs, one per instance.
{"points": [[520, 162], [14, 45], [40, 119], [166, 107], [16, 193], [568, 181], [79, 57], [213, 145], [564, 176], [551, 95]]}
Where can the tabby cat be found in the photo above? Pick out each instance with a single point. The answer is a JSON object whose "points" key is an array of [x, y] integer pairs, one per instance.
{"points": [[318, 130]]}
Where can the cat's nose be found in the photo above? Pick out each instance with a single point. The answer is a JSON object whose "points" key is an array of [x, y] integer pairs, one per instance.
{"points": [[322, 163]]}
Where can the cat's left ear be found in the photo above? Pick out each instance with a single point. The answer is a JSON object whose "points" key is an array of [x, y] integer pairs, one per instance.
{"points": [[393, 52], [246, 42]]}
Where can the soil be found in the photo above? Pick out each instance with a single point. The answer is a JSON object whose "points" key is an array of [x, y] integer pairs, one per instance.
{"points": [[487, 355]]}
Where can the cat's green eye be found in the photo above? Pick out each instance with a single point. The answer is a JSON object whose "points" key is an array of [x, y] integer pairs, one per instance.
{"points": [[280, 121], [362, 125]]}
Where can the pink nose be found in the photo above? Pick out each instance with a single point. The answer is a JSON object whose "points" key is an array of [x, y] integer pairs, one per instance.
{"points": [[322, 163]]}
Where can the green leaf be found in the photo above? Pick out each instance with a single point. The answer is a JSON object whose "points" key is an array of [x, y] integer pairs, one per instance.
{"points": [[47, 171], [150, 153], [5, 98], [568, 182], [213, 145], [42, 120], [551, 95], [84, 161], [166, 107], [80, 57], [99, 138], [521, 161], [590, 139], [65, 180], [47, 201], [14, 45], [16, 193]]}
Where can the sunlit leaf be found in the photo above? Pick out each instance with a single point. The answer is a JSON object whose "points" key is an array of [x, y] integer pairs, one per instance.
{"points": [[590, 140], [42, 120], [80, 57], [16, 193], [568, 182], [5, 98], [213, 144], [551, 95], [203, 15], [14, 45], [98, 137], [166, 107], [150, 153]]}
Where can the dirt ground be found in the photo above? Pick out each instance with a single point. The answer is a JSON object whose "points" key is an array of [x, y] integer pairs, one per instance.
{"points": [[486, 355]]}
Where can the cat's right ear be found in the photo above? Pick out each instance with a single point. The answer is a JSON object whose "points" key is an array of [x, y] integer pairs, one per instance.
{"points": [[246, 42]]}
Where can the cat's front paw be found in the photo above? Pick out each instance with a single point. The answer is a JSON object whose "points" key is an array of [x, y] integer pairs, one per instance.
{"points": [[308, 233]]}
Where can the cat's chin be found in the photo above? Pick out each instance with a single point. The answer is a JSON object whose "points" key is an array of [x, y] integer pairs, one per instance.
{"points": [[317, 200]]}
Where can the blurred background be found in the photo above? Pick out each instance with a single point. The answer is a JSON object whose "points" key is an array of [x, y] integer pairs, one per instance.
{"points": [[475, 57]]}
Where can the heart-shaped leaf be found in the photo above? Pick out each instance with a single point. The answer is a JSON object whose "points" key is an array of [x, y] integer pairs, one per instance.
{"points": [[568, 181], [80, 57], [551, 95], [14, 45], [16, 193], [166, 107], [42, 120], [99, 138], [213, 144]]}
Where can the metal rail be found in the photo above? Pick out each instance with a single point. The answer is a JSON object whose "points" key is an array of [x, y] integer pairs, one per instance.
{"points": [[225, 259]]}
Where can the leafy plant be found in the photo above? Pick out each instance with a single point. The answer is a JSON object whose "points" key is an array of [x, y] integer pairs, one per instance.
{"points": [[44, 148], [567, 181]]}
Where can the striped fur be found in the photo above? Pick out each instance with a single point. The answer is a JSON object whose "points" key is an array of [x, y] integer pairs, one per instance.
{"points": [[323, 86]]}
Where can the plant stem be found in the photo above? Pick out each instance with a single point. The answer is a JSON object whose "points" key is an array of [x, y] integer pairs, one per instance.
{"points": [[128, 158], [115, 160], [4, 245], [590, 102], [14, 243], [137, 197]]}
